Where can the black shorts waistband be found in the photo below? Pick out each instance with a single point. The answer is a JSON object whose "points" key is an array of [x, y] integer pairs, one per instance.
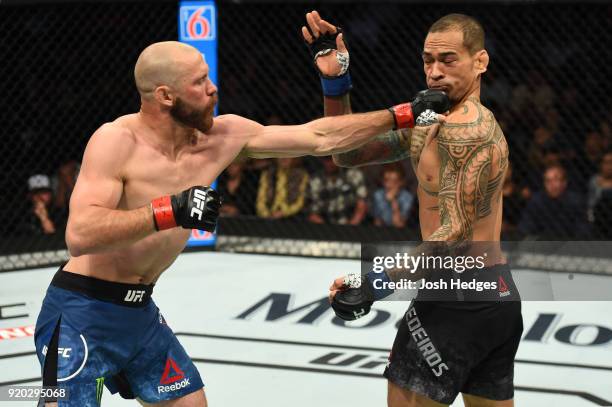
{"points": [[488, 284], [129, 295]]}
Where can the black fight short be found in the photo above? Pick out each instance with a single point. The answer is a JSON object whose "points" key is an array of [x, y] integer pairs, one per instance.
{"points": [[444, 348]]}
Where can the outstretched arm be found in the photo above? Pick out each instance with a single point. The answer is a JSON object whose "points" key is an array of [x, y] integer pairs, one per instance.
{"points": [[388, 147], [319, 137], [337, 134]]}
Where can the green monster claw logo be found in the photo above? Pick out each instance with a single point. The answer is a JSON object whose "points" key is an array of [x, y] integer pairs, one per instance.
{"points": [[99, 388]]}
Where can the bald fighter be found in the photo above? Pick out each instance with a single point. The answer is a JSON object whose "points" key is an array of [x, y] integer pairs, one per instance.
{"points": [[141, 189], [447, 347]]}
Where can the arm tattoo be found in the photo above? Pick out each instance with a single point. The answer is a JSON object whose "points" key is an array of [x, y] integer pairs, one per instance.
{"points": [[417, 143], [473, 161], [391, 146]]}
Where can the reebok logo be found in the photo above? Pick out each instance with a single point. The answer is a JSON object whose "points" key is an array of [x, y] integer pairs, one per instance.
{"points": [[503, 288], [176, 386], [134, 296], [199, 199], [172, 373]]}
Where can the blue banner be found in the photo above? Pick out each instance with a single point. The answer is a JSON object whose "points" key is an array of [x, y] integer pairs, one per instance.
{"points": [[197, 24]]}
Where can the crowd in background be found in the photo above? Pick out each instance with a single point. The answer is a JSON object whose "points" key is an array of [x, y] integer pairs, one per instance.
{"points": [[558, 185], [545, 86], [562, 191]]}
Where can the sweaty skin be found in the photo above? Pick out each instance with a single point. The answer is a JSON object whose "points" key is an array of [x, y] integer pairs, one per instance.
{"points": [[170, 145]]}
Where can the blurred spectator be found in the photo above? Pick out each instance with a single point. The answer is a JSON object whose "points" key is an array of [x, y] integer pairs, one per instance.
{"points": [[282, 189], [64, 184], [551, 154], [599, 183], [554, 153], [602, 214], [238, 187], [392, 202], [515, 199], [41, 217], [592, 153], [541, 141], [338, 196], [534, 92], [555, 213]]}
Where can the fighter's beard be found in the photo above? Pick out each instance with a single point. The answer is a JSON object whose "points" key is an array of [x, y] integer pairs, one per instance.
{"points": [[200, 119]]}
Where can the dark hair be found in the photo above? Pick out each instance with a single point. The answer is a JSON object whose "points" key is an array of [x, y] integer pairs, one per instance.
{"points": [[473, 33], [398, 168]]}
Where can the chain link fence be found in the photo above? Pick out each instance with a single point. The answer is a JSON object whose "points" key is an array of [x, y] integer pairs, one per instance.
{"points": [[67, 69]]}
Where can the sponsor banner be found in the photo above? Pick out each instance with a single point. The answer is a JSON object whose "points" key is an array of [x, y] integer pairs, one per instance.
{"points": [[197, 24]]}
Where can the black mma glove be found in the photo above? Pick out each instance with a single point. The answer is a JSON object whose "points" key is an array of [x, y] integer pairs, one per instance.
{"points": [[354, 302], [332, 85], [194, 208], [423, 109]]}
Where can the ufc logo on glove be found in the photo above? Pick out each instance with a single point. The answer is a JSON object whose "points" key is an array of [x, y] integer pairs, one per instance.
{"points": [[199, 199]]}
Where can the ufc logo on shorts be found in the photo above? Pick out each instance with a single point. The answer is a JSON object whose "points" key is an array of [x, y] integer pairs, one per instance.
{"points": [[199, 199], [134, 296], [63, 352]]}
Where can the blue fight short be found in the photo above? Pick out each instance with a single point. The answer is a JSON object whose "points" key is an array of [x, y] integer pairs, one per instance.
{"points": [[93, 333]]}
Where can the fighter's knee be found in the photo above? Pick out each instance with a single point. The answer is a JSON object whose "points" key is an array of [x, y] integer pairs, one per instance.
{"points": [[400, 397]]}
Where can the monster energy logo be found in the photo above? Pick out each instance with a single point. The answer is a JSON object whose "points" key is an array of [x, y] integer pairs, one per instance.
{"points": [[99, 388]]}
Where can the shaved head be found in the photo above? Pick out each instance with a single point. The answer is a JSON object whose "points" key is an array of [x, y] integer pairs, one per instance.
{"points": [[163, 63], [173, 80]]}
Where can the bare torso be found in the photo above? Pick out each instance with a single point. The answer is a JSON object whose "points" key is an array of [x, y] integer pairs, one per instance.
{"points": [[148, 173], [474, 124]]}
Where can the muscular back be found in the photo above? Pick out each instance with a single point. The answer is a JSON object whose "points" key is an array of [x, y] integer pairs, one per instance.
{"points": [[460, 167]]}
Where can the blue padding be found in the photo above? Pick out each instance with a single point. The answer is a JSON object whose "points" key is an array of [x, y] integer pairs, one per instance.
{"points": [[337, 86]]}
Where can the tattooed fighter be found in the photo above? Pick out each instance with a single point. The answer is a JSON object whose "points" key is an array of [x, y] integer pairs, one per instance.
{"points": [[442, 348]]}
